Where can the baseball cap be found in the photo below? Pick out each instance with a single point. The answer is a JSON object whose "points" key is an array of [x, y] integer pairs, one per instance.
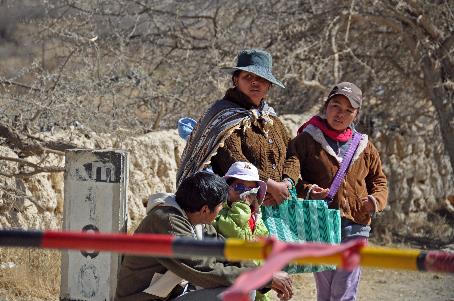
{"points": [[247, 172], [349, 90]]}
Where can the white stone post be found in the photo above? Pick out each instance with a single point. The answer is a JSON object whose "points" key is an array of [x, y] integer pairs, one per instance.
{"points": [[95, 200]]}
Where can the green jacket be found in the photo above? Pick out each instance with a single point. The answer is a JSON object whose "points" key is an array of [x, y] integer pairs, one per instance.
{"points": [[166, 217], [232, 222]]}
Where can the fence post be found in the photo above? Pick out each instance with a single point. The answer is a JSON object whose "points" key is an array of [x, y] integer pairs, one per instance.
{"points": [[96, 183]]}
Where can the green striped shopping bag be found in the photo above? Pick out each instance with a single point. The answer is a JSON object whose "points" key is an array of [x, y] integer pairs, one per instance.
{"points": [[298, 220]]}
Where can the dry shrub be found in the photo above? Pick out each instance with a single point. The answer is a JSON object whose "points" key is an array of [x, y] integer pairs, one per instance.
{"points": [[426, 230], [35, 276]]}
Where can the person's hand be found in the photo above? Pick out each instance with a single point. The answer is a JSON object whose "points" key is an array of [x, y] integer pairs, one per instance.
{"points": [[269, 200], [278, 190], [250, 199], [318, 193], [367, 205], [282, 285], [255, 205], [288, 182]]}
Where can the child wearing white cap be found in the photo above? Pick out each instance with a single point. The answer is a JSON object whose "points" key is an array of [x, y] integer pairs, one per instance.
{"points": [[240, 217]]}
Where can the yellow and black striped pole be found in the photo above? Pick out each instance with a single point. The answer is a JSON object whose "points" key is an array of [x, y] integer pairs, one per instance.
{"points": [[230, 249]]}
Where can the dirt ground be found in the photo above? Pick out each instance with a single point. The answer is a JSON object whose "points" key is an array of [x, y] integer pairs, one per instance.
{"points": [[375, 285], [380, 285]]}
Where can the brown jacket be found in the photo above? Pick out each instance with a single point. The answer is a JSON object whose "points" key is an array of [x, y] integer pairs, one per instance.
{"points": [[267, 152], [319, 165]]}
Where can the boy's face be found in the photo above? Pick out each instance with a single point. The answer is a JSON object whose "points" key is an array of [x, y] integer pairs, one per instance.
{"points": [[207, 216], [204, 215], [238, 186]]}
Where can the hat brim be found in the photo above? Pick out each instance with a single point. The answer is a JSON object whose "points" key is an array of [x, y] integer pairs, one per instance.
{"points": [[262, 185], [354, 104], [259, 71]]}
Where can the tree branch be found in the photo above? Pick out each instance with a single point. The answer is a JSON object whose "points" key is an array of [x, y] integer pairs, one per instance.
{"points": [[16, 142], [11, 83], [37, 168], [388, 22]]}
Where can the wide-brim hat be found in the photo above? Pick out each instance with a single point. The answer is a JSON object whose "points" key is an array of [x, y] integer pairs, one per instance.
{"points": [[258, 62], [247, 172]]}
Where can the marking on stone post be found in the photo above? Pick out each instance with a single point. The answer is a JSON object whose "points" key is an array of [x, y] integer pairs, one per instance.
{"points": [[88, 280], [90, 200], [89, 253]]}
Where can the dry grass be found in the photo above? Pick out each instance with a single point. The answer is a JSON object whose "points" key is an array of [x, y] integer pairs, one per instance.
{"points": [[35, 276]]}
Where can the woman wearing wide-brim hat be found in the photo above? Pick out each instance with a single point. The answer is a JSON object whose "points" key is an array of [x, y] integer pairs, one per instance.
{"points": [[243, 127]]}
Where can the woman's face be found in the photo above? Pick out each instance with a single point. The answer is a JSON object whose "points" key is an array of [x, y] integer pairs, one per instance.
{"points": [[340, 113], [253, 86]]}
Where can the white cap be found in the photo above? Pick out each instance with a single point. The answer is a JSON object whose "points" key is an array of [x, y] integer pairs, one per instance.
{"points": [[247, 172]]}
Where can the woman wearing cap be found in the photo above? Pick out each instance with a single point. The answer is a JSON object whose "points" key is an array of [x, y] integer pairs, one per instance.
{"points": [[243, 127], [320, 146]]}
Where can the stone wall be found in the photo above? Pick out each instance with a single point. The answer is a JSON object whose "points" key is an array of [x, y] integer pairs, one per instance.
{"points": [[419, 173], [421, 181]]}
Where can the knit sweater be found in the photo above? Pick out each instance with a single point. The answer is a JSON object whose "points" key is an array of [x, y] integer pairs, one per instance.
{"points": [[265, 146]]}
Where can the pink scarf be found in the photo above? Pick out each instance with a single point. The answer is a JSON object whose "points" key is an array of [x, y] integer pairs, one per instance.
{"points": [[321, 123]]}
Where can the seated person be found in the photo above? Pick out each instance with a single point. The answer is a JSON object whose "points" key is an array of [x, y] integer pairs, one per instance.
{"points": [[197, 201]]}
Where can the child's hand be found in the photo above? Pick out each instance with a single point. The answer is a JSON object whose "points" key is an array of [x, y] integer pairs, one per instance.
{"points": [[249, 196], [282, 284], [269, 200], [318, 193], [255, 205]]}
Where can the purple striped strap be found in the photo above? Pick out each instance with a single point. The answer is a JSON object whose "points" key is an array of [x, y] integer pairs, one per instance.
{"points": [[344, 166]]}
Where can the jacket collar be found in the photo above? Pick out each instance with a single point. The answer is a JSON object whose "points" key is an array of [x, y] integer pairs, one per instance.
{"points": [[318, 136], [238, 97]]}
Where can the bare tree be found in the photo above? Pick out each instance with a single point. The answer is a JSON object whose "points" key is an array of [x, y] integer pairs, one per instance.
{"points": [[424, 31]]}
